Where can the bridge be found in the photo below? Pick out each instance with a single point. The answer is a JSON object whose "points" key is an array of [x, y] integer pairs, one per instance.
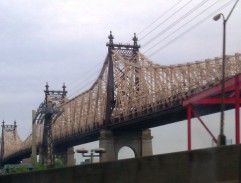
{"points": [[130, 95]]}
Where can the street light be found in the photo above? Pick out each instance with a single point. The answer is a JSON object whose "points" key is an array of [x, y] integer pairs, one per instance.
{"points": [[221, 137], [100, 151]]}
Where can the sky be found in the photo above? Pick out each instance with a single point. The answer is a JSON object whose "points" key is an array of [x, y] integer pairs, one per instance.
{"points": [[64, 42]]}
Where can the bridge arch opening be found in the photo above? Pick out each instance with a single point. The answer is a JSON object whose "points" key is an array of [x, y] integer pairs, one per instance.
{"points": [[126, 153]]}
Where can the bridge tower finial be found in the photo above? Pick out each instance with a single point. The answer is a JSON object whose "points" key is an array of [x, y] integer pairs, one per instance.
{"points": [[46, 91], [136, 46], [135, 39], [15, 124], [47, 87], [64, 90], [111, 38]]}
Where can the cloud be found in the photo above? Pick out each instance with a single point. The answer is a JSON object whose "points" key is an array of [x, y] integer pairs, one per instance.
{"points": [[58, 41]]}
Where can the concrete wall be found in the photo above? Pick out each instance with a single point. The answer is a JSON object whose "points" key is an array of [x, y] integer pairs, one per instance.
{"points": [[140, 141], [216, 165]]}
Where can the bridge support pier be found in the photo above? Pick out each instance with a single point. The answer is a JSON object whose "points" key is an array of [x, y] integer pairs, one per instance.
{"points": [[107, 142], [70, 156], [41, 155], [140, 141], [66, 155], [34, 147]]}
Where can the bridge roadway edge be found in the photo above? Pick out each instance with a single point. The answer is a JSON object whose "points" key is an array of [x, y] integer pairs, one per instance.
{"points": [[211, 165], [153, 120]]}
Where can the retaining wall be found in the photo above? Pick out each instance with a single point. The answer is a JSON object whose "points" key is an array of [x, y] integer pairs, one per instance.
{"points": [[214, 165]]}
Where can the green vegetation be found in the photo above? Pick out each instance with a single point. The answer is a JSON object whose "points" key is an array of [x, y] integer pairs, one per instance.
{"points": [[19, 169], [16, 168], [26, 167], [58, 163], [38, 166]]}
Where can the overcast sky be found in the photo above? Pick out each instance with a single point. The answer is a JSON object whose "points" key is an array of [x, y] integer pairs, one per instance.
{"points": [[64, 41]]}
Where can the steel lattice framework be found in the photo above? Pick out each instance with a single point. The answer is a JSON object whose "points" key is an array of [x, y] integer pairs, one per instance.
{"points": [[138, 87], [10, 140]]}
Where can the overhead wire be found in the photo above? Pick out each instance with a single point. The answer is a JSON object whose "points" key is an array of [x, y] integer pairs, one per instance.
{"points": [[84, 74], [189, 29], [73, 90], [85, 82], [82, 88], [144, 29], [82, 85], [77, 84], [165, 20], [176, 22], [178, 29]]}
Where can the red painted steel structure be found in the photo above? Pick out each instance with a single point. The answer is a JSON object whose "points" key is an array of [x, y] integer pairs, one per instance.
{"points": [[212, 95]]}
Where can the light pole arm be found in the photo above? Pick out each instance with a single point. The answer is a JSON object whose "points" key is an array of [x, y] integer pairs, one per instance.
{"points": [[89, 155], [232, 10]]}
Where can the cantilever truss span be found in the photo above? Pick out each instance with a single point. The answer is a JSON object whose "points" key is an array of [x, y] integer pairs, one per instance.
{"points": [[139, 87]]}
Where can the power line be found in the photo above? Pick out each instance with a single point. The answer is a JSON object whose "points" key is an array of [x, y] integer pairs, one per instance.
{"points": [[166, 19], [78, 86], [84, 74], [75, 92], [188, 13], [177, 21], [180, 27], [82, 85], [194, 26], [142, 38], [143, 30], [83, 80]]}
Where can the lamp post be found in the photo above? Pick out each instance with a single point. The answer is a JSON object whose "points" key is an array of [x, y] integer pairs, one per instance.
{"points": [[100, 151], [222, 137]]}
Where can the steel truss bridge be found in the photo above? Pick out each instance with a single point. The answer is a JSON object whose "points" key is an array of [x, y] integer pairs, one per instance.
{"points": [[131, 91]]}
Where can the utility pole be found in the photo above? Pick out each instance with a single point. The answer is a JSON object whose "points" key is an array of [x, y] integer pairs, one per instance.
{"points": [[222, 137]]}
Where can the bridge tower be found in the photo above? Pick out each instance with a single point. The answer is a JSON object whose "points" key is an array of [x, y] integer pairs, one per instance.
{"points": [[9, 139], [51, 111], [140, 141], [2, 141], [34, 146]]}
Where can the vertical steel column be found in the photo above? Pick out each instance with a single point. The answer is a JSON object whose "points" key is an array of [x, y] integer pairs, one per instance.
{"points": [[189, 127], [50, 111], [15, 129], [237, 115], [2, 141], [34, 147], [110, 82], [50, 155]]}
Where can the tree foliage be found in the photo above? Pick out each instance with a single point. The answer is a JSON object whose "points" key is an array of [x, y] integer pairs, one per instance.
{"points": [[17, 169]]}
